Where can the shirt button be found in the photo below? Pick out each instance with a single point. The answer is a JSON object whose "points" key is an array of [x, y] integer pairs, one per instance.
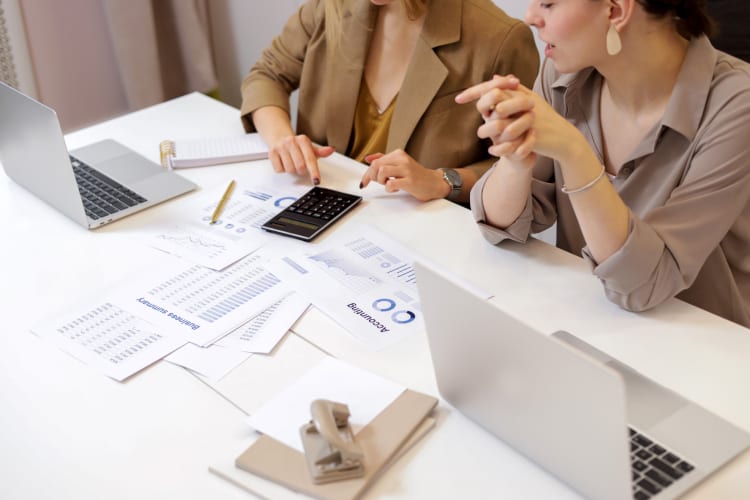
{"points": [[627, 170]]}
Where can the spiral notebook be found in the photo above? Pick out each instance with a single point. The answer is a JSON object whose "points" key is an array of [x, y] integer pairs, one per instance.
{"points": [[212, 151]]}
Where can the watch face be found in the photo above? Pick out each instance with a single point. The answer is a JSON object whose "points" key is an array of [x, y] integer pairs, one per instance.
{"points": [[453, 178]]}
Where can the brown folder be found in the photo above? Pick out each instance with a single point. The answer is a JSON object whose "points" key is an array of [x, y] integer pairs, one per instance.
{"points": [[379, 440]]}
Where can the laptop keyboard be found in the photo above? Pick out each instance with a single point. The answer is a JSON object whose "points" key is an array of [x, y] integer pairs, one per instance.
{"points": [[654, 467], [101, 195]]}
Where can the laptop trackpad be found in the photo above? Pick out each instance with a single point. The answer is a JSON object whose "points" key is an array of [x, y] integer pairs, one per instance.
{"points": [[117, 161], [128, 168], [647, 402]]}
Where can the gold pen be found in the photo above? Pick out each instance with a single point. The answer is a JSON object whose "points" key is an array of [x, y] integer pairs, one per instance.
{"points": [[222, 202]]}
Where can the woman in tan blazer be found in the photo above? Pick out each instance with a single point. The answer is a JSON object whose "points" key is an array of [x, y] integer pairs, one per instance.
{"points": [[413, 57]]}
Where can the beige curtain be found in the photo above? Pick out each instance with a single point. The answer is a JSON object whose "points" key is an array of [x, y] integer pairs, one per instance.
{"points": [[7, 68], [162, 48]]}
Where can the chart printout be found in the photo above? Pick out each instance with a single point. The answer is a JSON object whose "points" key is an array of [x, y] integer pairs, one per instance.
{"points": [[365, 282], [109, 339], [259, 335], [262, 333], [188, 232], [199, 303]]}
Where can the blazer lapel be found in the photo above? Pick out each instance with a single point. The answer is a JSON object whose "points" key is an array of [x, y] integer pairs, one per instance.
{"points": [[344, 73], [426, 72]]}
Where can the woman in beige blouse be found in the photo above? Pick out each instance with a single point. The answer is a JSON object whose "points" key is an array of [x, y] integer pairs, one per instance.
{"points": [[636, 143]]}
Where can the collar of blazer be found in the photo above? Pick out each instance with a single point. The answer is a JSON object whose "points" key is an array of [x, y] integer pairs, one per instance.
{"points": [[425, 75]]}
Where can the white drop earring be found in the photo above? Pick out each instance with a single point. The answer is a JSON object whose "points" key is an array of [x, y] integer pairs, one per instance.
{"points": [[614, 44]]}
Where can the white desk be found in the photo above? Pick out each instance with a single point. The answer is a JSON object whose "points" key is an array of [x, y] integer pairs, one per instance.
{"points": [[69, 432]]}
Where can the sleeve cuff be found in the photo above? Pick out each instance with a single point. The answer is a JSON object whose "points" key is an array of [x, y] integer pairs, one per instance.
{"points": [[518, 231], [633, 264], [260, 94]]}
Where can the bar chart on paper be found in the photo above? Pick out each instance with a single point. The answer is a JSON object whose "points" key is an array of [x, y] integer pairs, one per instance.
{"points": [[202, 303], [394, 267], [263, 332], [254, 284], [211, 296]]}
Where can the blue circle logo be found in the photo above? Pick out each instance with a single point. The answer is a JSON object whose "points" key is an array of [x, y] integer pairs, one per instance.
{"points": [[384, 304], [284, 201], [403, 317]]}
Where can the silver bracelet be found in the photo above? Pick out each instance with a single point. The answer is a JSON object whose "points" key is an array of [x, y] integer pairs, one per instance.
{"points": [[583, 188]]}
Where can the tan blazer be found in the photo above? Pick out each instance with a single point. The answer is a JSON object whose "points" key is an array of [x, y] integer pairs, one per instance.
{"points": [[462, 43]]}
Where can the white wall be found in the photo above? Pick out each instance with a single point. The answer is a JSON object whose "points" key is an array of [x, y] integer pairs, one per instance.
{"points": [[515, 8], [242, 29]]}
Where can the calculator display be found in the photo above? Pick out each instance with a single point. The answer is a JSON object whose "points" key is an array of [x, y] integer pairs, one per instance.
{"points": [[312, 213], [295, 222]]}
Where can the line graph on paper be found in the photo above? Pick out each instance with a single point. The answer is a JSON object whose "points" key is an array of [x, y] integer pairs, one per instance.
{"points": [[209, 249], [191, 235], [350, 274], [214, 246]]}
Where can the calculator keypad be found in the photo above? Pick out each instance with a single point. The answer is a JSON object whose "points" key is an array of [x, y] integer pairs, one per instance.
{"points": [[321, 204]]}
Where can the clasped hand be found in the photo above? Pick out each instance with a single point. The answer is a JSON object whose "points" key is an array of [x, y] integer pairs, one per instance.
{"points": [[519, 122]]}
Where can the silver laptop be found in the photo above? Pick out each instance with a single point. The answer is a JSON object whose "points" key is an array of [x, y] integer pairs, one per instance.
{"points": [[94, 185], [606, 430]]}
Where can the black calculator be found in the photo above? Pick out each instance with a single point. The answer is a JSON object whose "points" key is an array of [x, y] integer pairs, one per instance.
{"points": [[312, 213]]}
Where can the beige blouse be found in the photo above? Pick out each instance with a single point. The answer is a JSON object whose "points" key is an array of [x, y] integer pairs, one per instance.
{"points": [[687, 185], [370, 134]]}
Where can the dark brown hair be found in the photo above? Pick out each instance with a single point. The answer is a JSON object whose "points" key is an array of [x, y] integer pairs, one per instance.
{"points": [[691, 18]]}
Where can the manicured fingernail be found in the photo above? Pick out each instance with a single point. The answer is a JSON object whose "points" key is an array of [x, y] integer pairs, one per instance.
{"points": [[361, 185], [316, 181]]}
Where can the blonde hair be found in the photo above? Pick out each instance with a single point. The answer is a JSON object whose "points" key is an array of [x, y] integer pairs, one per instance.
{"points": [[334, 12]]}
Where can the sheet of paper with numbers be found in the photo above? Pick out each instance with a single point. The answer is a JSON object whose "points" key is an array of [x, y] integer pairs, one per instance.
{"points": [[109, 339]]}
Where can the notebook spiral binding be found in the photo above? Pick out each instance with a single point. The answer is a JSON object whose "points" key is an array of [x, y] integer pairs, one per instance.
{"points": [[166, 153]]}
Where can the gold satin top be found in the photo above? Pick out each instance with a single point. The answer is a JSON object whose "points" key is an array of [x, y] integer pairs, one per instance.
{"points": [[370, 134]]}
